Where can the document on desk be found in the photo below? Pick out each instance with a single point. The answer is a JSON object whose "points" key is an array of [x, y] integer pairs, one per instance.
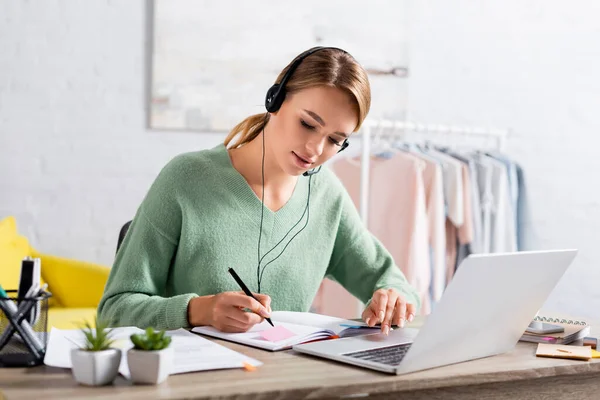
{"points": [[191, 352]]}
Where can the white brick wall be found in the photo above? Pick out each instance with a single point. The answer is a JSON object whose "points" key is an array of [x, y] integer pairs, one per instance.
{"points": [[76, 158], [531, 66]]}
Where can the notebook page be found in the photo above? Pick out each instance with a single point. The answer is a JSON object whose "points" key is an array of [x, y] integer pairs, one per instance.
{"points": [[326, 322], [253, 336]]}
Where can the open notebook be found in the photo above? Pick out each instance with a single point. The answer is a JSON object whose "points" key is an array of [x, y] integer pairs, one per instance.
{"points": [[305, 327]]}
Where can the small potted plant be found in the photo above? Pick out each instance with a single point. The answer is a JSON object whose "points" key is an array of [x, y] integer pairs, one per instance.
{"points": [[96, 363], [151, 358]]}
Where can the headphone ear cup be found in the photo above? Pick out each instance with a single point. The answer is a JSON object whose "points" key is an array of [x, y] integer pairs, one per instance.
{"points": [[274, 98]]}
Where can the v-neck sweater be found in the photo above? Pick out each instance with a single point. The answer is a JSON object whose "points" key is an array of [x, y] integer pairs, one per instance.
{"points": [[200, 217]]}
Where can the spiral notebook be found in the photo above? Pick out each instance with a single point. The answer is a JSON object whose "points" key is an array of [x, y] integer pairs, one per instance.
{"points": [[574, 330]]}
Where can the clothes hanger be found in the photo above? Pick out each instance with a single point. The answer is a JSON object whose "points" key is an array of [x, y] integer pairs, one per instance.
{"points": [[379, 145]]}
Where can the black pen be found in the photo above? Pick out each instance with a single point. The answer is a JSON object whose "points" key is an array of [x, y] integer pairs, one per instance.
{"points": [[245, 289]]}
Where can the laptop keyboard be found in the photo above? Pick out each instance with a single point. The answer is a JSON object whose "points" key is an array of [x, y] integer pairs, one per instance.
{"points": [[391, 355]]}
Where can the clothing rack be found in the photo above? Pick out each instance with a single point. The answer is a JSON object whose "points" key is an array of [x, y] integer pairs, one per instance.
{"points": [[398, 129]]}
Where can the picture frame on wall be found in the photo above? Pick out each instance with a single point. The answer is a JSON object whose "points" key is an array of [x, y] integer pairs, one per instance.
{"points": [[212, 62]]}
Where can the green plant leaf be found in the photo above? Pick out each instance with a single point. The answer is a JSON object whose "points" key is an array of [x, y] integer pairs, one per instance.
{"points": [[98, 338], [150, 340]]}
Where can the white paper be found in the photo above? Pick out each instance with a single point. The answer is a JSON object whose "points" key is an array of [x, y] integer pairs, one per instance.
{"points": [[191, 352], [61, 342], [325, 322]]}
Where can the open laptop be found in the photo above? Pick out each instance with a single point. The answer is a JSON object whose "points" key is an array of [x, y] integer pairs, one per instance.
{"points": [[485, 309]]}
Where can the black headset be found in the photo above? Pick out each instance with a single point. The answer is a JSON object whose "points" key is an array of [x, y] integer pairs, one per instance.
{"points": [[273, 101], [276, 93]]}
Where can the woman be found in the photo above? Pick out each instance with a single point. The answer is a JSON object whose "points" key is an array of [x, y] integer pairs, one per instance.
{"points": [[257, 205]]}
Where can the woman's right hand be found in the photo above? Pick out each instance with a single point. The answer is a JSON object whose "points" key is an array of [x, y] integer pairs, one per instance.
{"points": [[225, 311]]}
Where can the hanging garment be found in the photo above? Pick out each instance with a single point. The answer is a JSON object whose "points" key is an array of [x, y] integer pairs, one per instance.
{"points": [[397, 212], [465, 233], [333, 299], [498, 219], [476, 245], [504, 235], [459, 240], [513, 180], [454, 185], [484, 183], [436, 217], [525, 231]]}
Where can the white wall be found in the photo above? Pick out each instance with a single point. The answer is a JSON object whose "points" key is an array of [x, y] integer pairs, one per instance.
{"points": [[76, 157], [531, 66]]}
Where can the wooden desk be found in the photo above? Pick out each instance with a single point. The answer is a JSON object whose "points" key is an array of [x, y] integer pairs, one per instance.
{"points": [[288, 375]]}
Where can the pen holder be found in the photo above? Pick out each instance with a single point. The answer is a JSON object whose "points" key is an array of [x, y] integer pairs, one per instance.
{"points": [[23, 329]]}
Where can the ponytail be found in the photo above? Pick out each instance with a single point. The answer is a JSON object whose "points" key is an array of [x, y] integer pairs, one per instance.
{"points": [[247, 130]]}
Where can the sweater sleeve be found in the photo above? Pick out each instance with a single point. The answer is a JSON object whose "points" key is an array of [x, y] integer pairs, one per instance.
{"points": [[136, 293], [360, 262]]}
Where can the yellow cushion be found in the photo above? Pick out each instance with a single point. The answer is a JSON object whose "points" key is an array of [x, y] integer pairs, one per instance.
{"points": [[74, 283], [13, 249], [70, 318]]}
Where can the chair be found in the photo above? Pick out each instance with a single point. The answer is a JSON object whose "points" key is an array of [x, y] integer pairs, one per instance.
{"points": [[122, 234]]}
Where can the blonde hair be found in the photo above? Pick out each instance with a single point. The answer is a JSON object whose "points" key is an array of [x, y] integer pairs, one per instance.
{"points": [[327, 67]]}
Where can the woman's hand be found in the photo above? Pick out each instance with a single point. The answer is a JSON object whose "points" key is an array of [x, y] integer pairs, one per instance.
{"points": [[390, 308], [225, 311]]}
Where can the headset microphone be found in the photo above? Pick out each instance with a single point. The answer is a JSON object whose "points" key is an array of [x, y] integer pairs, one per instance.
{"points": [[273, 101], [312, 171]]}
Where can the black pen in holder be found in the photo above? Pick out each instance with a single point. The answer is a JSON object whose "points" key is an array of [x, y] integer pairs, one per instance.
{"points": [[23, 340]]}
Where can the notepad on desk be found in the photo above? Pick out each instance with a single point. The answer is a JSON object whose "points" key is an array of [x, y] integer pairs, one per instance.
{"points": [[564, 351], [291, 328]]}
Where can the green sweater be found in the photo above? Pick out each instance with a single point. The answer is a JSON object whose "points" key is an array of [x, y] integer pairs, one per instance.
{"points": [[200, 217]]}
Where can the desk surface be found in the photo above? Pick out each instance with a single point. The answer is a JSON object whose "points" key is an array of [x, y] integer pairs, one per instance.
{"points": [[292, 375]]}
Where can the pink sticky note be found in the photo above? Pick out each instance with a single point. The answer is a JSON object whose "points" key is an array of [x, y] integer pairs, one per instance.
{"points": [[277, 334]]}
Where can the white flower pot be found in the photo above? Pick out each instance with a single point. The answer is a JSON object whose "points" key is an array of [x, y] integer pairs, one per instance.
{"points": [[95, 368], [151, 367]]}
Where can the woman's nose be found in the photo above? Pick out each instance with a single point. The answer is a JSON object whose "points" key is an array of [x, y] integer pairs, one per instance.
{"points": [[315, 145]]}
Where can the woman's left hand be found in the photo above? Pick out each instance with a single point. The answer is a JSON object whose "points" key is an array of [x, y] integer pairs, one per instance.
{"points": [[390, 308]]}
